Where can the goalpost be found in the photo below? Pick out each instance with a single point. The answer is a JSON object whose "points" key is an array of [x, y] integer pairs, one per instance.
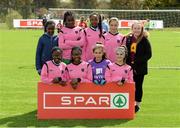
{"points": [[162, 49], [170, 18]]}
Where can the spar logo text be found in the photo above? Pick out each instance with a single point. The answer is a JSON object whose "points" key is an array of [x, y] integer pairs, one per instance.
{"points": [[86, 100]]}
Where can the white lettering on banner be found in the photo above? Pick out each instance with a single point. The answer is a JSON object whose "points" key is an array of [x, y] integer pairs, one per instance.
{"points": [[34, 23], [78, 99], [86, 100], [104, 99], [90, 101], [37, 23], [30, 23], [66, 100]]}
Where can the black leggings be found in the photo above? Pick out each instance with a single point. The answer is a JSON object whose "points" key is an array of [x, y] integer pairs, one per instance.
{"points": [[138, 79]]}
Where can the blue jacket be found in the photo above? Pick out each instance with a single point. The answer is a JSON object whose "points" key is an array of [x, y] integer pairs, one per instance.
{"points": [[105, 26], [43, 51]]}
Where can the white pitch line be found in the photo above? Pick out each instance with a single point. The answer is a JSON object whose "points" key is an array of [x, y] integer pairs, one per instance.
{"points": [[165, 67]]}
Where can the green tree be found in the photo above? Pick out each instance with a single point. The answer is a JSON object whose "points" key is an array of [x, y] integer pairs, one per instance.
{"points": [[85, 4], [125, 4], [160, 4], [12, 15], [45, 3], [103, 4], [119, 101], [22, 6]]}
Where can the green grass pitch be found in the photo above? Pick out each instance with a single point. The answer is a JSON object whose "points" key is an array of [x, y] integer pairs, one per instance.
{"points": [[18, 83]]}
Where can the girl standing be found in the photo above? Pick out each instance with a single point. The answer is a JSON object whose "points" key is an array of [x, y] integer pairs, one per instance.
{"points": [[139, 52], [93, 34], [113, 39], [70, 36], [45, 44]]}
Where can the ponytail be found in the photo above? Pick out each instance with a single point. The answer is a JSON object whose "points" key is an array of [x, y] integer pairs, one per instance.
{"points": [[99, 23], [100, 26]]}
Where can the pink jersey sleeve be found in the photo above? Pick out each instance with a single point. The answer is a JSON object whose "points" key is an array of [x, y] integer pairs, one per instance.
{"points": [[108, 75], [89, 73], [44, 75], [79, 42], [85, 78], [123, 40], [130, 76], [68, 78], [85, 46], [61, 42], [65, 74]]}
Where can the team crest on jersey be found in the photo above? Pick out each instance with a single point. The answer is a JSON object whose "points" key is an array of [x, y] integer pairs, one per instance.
{"points": [[70, 70], [50, 70], [82, 69], [118, 41], [89, 35], [107, 39], [76, 32], [125, 71], [62, 71]]}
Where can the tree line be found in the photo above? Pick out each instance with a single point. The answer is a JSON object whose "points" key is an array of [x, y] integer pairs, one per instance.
{"points": [[36, 8]]}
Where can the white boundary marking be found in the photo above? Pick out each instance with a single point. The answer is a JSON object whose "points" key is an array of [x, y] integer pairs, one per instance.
{"points": [[165, 67]]}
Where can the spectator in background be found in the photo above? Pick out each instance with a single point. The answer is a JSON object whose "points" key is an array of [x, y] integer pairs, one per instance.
{"points": [[105, 25], [147, 25], [59, 26], [82, 23], [44, 20]]}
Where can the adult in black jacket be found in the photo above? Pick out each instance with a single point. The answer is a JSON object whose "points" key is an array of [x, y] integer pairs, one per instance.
{"points": [[139, 52]]}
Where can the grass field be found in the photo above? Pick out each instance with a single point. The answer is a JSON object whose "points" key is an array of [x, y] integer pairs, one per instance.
{"points": [[18, 84]]}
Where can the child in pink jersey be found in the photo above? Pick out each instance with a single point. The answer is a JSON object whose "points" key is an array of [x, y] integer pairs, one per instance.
{"points": [[98, 68], [93, 34], [70, 36], [53, 71], [77, 69], [119, 70], [113, 39]]}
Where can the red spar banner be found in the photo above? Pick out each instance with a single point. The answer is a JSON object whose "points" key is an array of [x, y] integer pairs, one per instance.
{"points": [[88, 101]]}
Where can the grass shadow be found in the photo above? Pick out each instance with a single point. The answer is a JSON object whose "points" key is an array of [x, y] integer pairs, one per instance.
{"points": [[30, 120]]}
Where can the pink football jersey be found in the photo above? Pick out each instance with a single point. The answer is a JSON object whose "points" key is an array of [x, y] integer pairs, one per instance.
{"points": [[51, 70]]}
